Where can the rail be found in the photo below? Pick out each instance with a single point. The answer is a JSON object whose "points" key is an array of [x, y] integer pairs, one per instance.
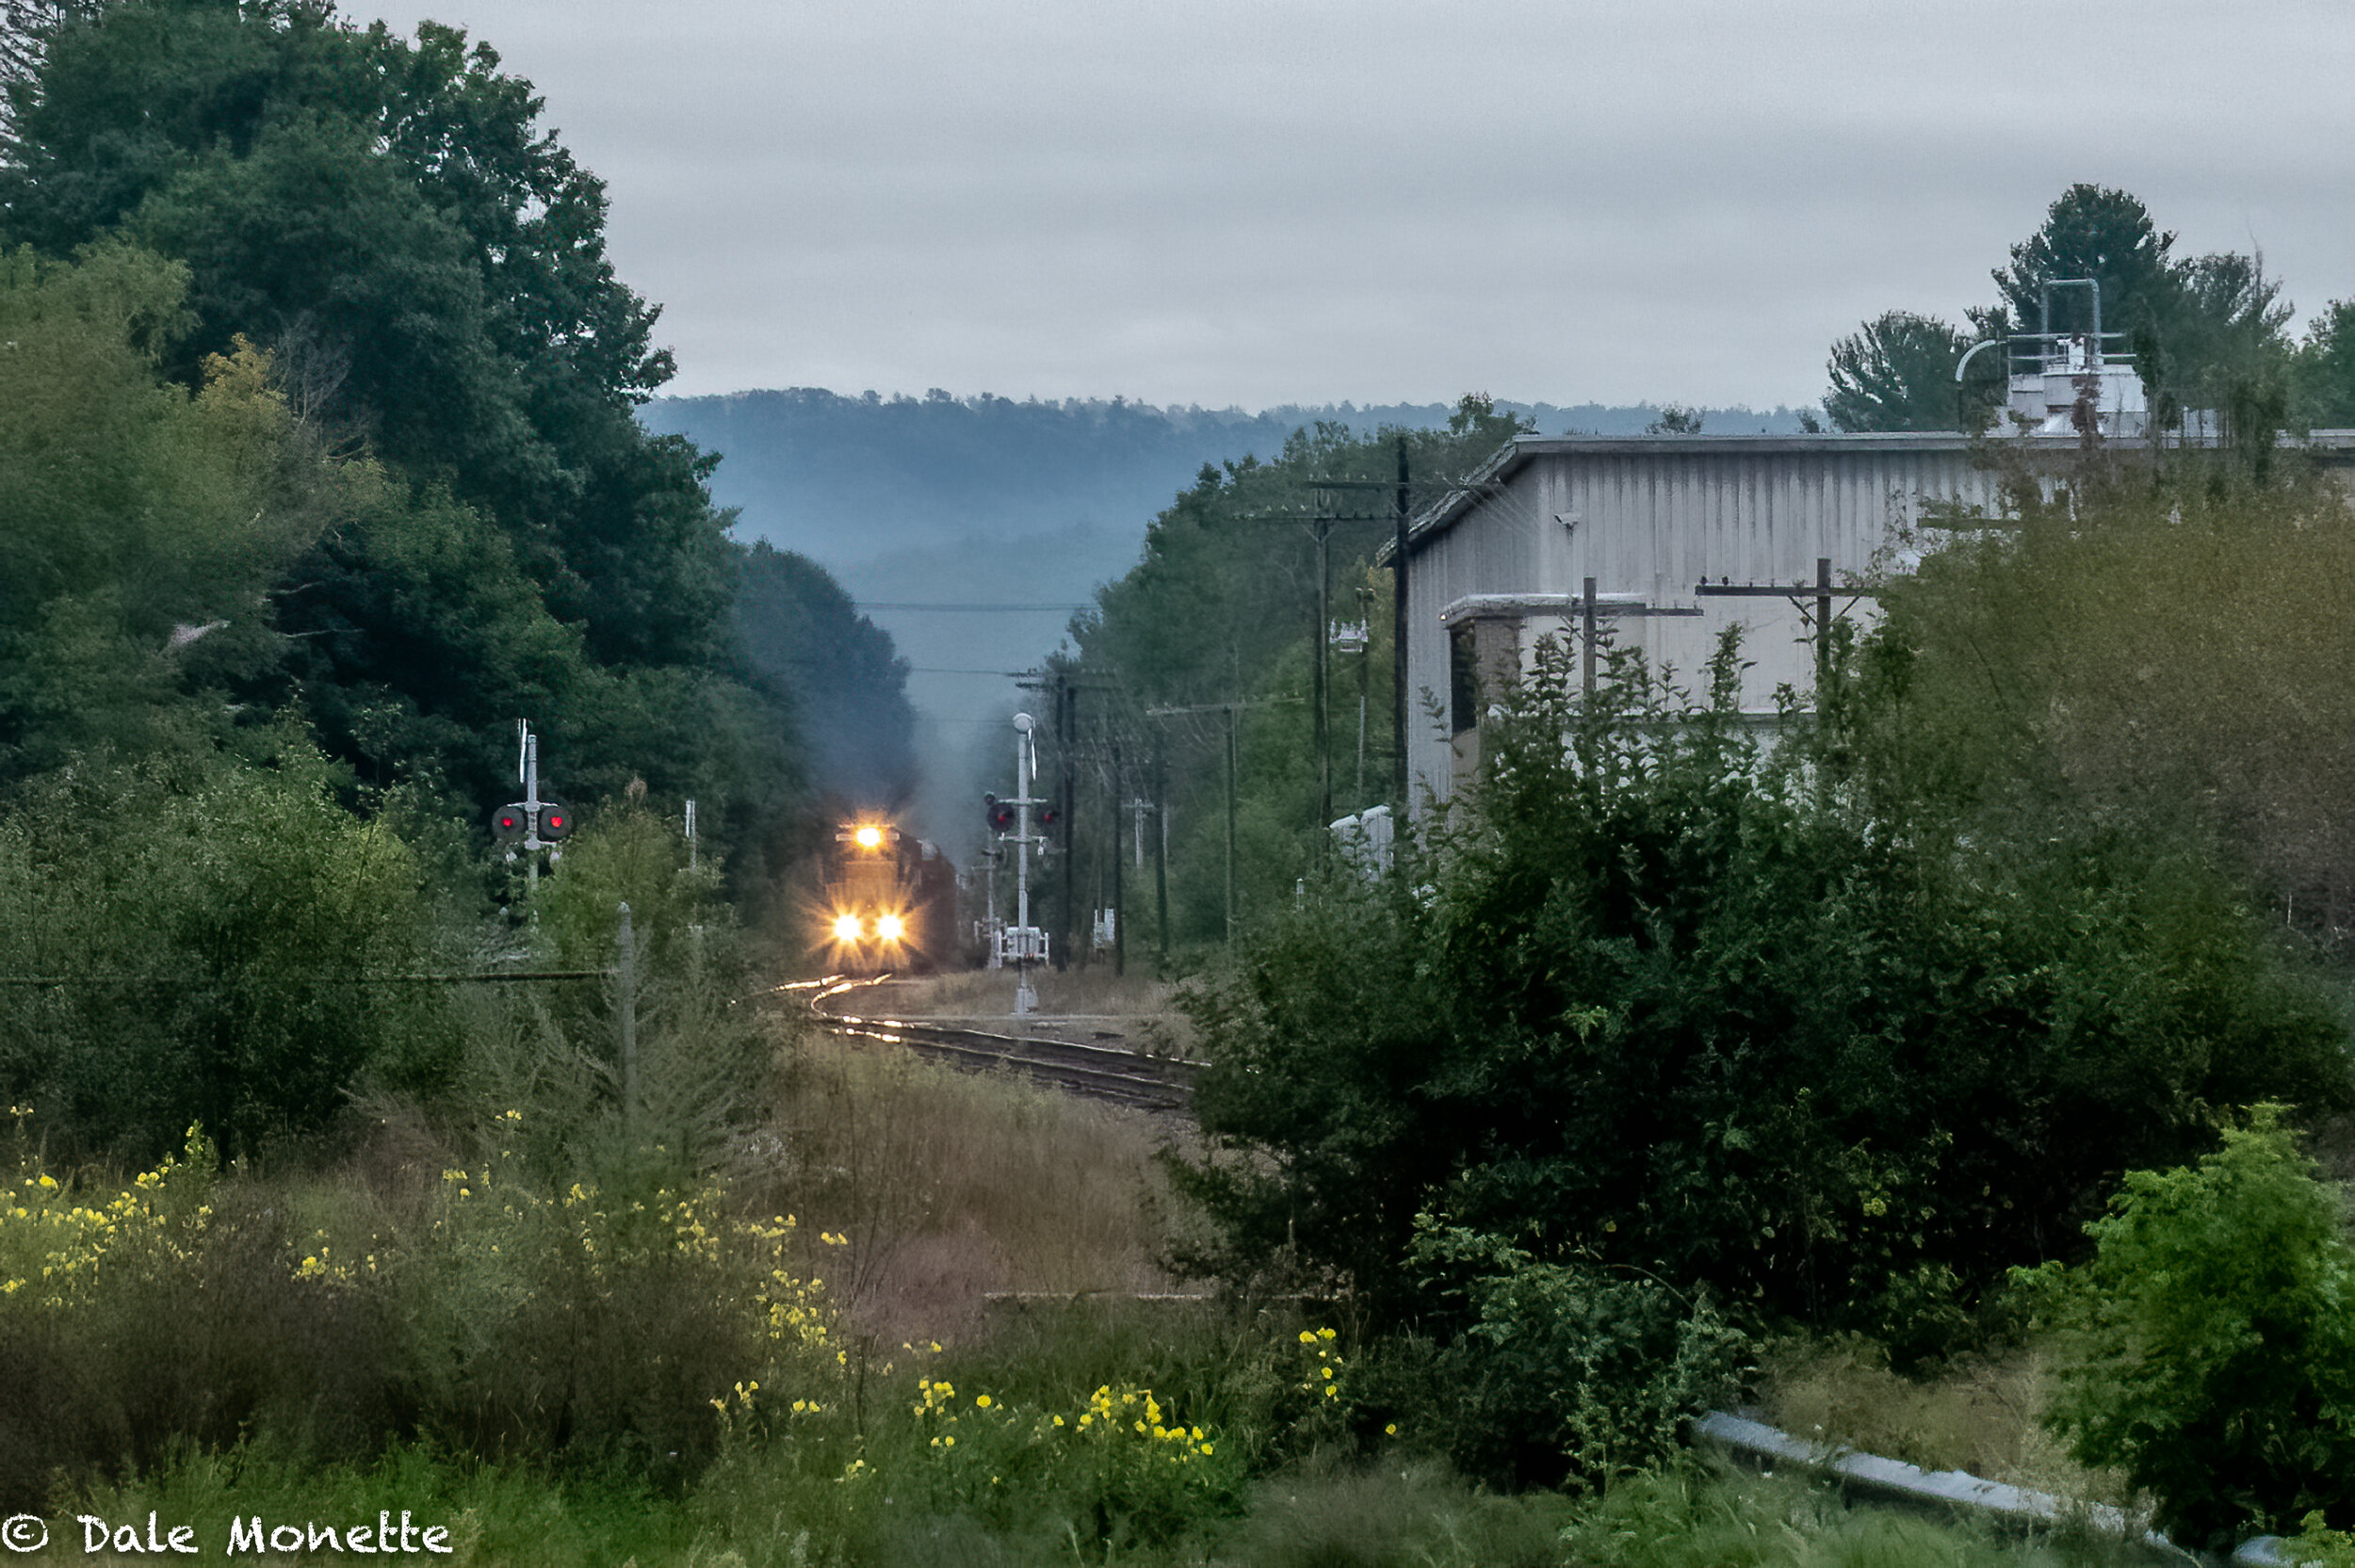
{"points": [[1089, 1070]]}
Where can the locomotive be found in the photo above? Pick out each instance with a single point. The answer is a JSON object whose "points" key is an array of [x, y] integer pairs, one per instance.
{"points": [[887, 900]]}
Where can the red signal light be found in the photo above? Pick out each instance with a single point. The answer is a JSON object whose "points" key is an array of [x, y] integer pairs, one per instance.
{"points": [[1001, 813], [510, 821], [554, 822]]}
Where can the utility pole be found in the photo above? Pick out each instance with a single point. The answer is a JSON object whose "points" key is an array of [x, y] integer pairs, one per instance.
{"points": [[1823, 576], [627, 1007], [1803, 597], [1112, 848], [1228, 709], [1230, 825], [1398, 634], [1161, 849], [1068, 698], [1586, 593]]}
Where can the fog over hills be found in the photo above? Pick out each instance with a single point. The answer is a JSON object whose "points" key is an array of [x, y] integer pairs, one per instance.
{"points": [[985, 501]]}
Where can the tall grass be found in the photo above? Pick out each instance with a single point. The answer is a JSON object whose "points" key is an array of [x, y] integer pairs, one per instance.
{"points": [[1982, 1414], [953, 1186]]}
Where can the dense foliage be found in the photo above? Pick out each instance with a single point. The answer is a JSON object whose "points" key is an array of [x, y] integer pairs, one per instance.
{"points": [[421, 500], [1723, 1016], [2212, 1340], [321, 469]]}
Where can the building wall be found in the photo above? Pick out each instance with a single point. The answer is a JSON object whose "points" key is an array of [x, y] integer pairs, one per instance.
{"points": [[1654, 517]]}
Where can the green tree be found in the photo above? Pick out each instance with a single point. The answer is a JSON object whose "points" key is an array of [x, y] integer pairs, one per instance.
{"points": [[2092, 232], [2325, 369], [425, 266], [2206, 332], [1221, 610], [146, 522], [229, 943], [2165, 647], [1897, 373], [845, 682], [2209, 1340]]}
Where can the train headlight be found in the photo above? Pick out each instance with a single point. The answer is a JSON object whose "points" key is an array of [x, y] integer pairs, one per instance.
{"points": [[890, 928], [846, 928], [869, 838]]}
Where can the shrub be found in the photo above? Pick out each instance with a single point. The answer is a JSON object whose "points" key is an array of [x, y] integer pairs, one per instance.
{"points": [[1123, 1470], [219, 934], [2211, 1339], [604, 1319], [1712, 1013], [1566, 1371], [139, 1318]]}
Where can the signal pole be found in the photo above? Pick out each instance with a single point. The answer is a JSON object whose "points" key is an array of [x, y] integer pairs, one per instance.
{"points": [[1067, 720], [1026, 938], [531, 816]]}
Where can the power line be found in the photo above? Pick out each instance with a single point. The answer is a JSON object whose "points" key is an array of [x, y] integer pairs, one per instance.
{"points": [[950, 670], [968, 610]]}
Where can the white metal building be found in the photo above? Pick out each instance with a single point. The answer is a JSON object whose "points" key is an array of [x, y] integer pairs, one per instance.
{"points": [[1503, 562]]}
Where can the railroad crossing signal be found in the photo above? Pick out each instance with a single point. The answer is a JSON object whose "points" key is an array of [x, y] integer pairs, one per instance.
{"points": [[999, 813], [513, 822]]}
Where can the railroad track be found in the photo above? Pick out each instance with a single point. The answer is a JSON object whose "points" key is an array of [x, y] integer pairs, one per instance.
{"points": [[1092, 1071]]}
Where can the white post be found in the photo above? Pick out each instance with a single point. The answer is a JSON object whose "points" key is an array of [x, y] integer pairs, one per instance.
{"points": [[532, 842], [1025, 998]]}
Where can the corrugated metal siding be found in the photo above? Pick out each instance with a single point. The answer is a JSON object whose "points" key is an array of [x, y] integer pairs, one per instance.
{"points": [[1655, 523]]}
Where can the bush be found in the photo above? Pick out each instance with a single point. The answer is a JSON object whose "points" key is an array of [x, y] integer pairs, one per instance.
{"points": [[2210, 1340], [135, 1319], [1565, 1372], [1709, 1014], [219, 936]]}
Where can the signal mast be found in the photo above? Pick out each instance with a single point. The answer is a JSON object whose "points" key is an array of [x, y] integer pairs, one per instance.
{"points": [[1022, 944], [532, 822]]}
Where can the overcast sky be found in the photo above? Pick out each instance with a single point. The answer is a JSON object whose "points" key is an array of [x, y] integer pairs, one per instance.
{"points": [[1195, 201]]}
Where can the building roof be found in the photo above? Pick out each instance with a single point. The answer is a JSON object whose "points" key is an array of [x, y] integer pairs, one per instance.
{"points": [[2337, 446]]}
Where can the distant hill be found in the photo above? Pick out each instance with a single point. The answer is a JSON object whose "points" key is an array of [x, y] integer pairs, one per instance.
{"points": [[843, 480], [945, 501]]}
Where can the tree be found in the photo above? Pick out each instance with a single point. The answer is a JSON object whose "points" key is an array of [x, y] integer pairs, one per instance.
{"points": [[847, 685], [2205, 332], [146, 522], [1222, 610], [424, 269], [2153, 649], [2209, 1342], [1897, 373], [2325, 369], [1840, 1052], [2092, 232]]}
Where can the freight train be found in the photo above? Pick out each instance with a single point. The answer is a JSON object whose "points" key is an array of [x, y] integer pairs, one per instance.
{"points": [[887, 901]]}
